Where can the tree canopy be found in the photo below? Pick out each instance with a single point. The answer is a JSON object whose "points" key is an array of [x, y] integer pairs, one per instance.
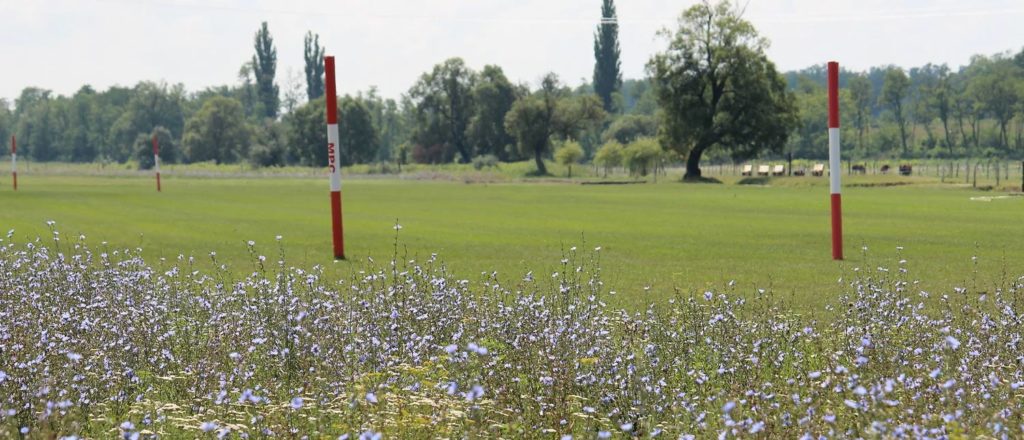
{"points": [[493, 95], [717, 88], [443, 100], [711, 94], [217, 132], [568, 154], [894, 93], [609, 156], [551, 112]]}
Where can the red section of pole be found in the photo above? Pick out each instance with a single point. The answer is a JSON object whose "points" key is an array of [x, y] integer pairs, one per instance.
{"points": [[338, 234], [14, 161], [833, 94], [156, 161], [337, 225], [837, 227], [332, 91]]}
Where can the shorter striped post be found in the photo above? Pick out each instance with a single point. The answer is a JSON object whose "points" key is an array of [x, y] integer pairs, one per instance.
{"points": [[14, 161], [156, 161], [337, 228], [834, 160]]}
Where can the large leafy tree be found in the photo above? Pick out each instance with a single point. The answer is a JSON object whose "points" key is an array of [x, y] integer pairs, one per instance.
{"points": [[151, 105], [109, 107], [217, 132], [34, 125], [860, 94], [812, 131], [443, 102], [550, 113], [924, 81], [314, 56], [530, 122], [627, 128], [358, 136], [143, 148], [388, 122], [79, 134], [264, 66], [358, 140], [942, 102], [717, 88], [269, 144], [607, 66], [895, 91], [494, 96], [998, 95], [307, 138]]}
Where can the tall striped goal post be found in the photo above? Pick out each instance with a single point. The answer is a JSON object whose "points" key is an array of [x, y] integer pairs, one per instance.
{"points": [[834, 160], [332, 159]]}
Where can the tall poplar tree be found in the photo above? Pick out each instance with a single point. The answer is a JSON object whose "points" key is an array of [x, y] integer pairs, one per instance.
{"points": [[607, 67], [264, 65], [314, 55]]}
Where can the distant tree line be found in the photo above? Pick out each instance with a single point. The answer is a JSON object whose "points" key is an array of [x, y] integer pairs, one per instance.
{"points": [[930, 111], [691, 106]]}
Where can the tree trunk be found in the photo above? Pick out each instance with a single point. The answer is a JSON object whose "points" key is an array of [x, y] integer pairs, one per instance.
{"points": [[693, 163], [1019, 142], [963, 133], [903, 135], [974, 123], [860, 141], [1003, 134], [463, 152], [541, 169], [949, 139]]}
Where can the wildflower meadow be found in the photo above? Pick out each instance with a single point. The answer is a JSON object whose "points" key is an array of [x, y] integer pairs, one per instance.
{"points": [[97, 342]]}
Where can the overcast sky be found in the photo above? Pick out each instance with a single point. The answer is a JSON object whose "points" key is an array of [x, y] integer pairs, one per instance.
{"points": [[62, 44]]}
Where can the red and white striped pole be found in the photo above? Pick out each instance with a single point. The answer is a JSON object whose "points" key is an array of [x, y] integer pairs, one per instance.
{"points": [[14, 161], [834, 160], [156, 161], [332, 159]]}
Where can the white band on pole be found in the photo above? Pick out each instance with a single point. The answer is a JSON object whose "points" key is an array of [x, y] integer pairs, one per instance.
{"points": [[834, 162], [332, 157], [156, 162]]}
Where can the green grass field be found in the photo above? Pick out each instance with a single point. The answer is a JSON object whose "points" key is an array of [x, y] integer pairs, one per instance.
{"points": [[654, 238]]}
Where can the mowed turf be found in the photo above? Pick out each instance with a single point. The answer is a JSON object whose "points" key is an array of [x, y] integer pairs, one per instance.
{"points": [[654, 238]]}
